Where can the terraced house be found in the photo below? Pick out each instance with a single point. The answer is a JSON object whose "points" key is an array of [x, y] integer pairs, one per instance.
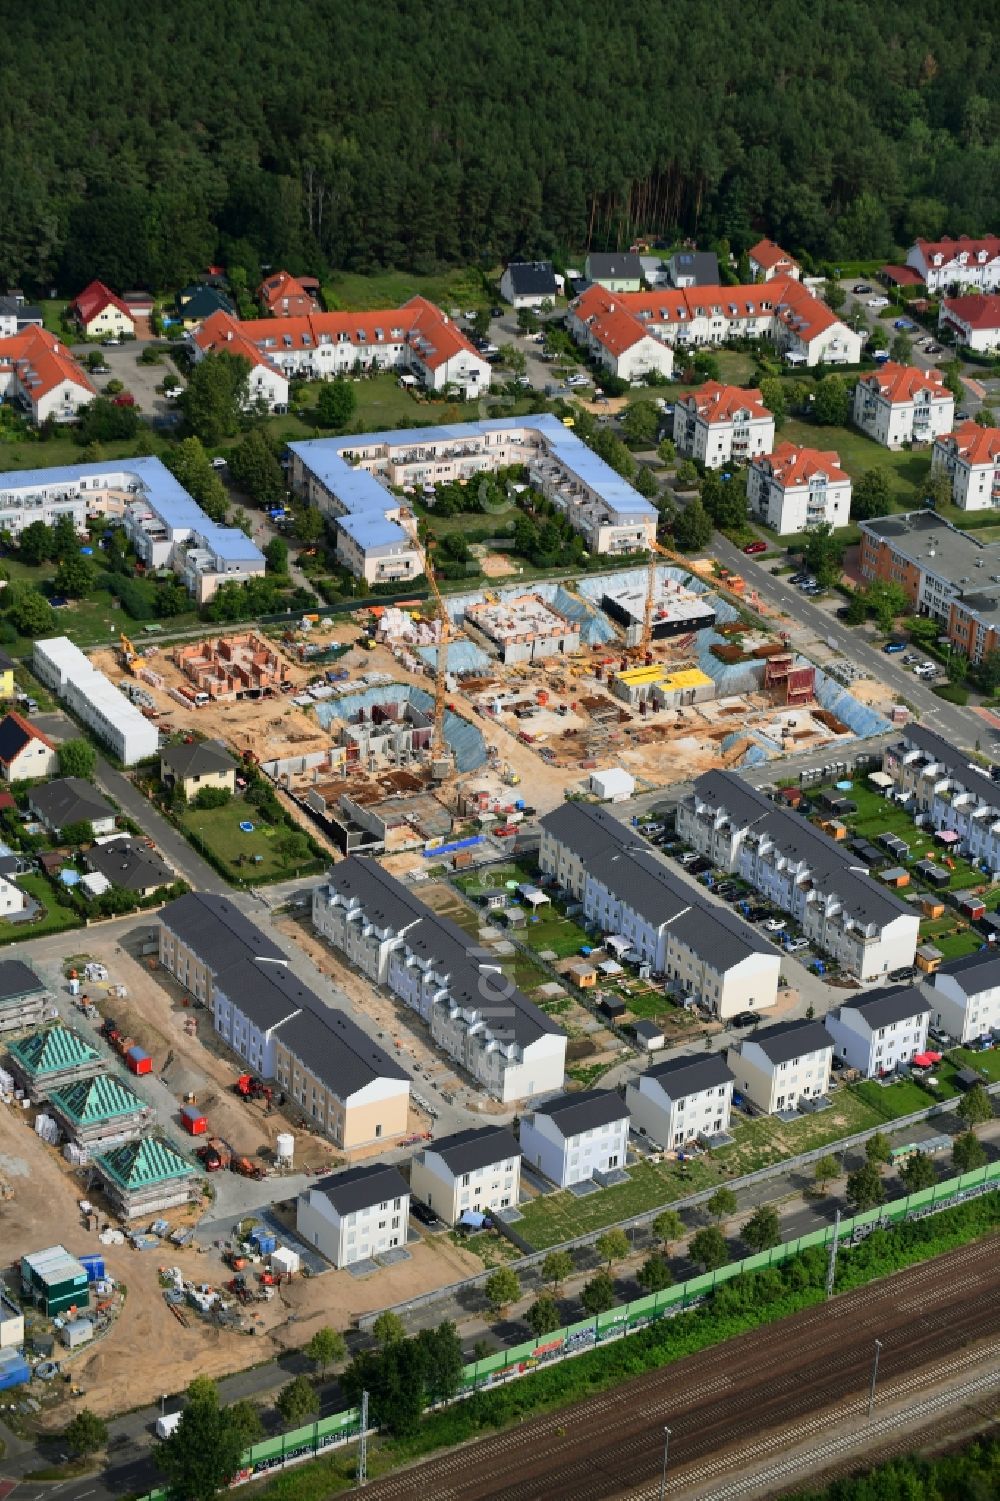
{"points": [[474, 1013], [840, 909], [950, 792]]}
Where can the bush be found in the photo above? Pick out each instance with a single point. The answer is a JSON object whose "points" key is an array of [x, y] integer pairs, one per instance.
{"points": [[952, 693], [212, 797]]}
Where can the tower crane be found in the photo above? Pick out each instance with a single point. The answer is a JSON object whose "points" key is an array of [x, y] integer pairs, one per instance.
{"points": [[657, 550], [441, 756]]}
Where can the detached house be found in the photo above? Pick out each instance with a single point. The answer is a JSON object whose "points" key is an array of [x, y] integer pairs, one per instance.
{"points": [[795, 488], [42, 378], [203, 763], [619, 272], [475, 1171], [777, 1067], [684, 1098], [975, 320], [963, 262], [283, 295], [100, 314], [722, 425], [24, 751], [878, 1031], [900, 404], [577, 1137], [357, 1215], [965, 995], [971, 456], [529, 284], [71, 800], [768, 260]]}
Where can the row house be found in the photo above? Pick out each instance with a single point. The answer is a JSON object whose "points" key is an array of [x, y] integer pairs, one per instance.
{"points": [[683, 1099], [477, 1171], [577, 1138], [839, 908], [950, 791], [965, 996], [698, 947], [899, 404], [963, 262], [768, 262], [974, 321], [777, 1068], [794, 488], [474, 1013], [720, 425], [877, 1032], [971, 456]]}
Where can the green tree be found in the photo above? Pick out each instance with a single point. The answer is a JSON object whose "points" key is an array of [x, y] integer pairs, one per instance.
{"points": [[901, 347], [77, 758], [77, 833], [693, 527], [65, 542], [255, 469], [871, 495], [309, 525], [86, 1433], [215, 396], [74, 578], [918, 1172], [865, 1189], [823, 554], [722, 1204], [687, 474], [641, 422], [878, 1149], [612, 1246], [192, 468], [986, 417], [857, 608], [211, 797], [35, 543], [31, 613], [937, 487], [709, 1248], [772, 393], [834, 295], [388, 1328], [598, 1294], [297, 1402], [645, 483], [988, 672], [666, 450], [203, 1453], [276, 553], [825, 1169], [171, 600], [763, 1229], [831, 405], [967, 1152], [336, 403], [887, 600], [668, 1227], [326, 1347], [975, 1107], [442, 1361], [557, 1266], [654, 1275], [513, 359], [543, 1316], [502, 1288]]}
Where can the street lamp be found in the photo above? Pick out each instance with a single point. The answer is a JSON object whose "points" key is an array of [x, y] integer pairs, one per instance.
{"points": [[871, 1394], [666, 1451]]}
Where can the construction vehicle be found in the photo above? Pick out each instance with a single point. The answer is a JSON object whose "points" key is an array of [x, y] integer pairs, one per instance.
{"points": [[249, 1087], [115, 1038], [215, 1154], [247, 1169], [442, 761], [132, 659], [238, 1287]]}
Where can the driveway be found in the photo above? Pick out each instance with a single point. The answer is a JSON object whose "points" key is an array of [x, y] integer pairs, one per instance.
{"points": [[140, 380]]}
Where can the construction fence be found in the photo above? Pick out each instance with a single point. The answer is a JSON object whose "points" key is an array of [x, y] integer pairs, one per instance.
{"points": [[627, 1318]]}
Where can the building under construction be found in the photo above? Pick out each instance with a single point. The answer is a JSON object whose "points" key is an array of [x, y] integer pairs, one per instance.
{"points": [[524, 629], [233, 667], [660, 687], [788, 682], [395, 732], [676, 609]]}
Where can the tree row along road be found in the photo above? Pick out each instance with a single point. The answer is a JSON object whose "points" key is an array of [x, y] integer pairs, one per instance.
{"points": [[768, 1380]]}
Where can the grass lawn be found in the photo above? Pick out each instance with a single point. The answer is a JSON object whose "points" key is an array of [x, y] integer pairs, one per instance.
{"points": [[983, 1063], [56, 919], [220, 830], [559, 1216], [52, 314], [764, 1139], [888, 1102], [906, 470], [876, 815], [30, 453], [462, 288], [736, 366]]}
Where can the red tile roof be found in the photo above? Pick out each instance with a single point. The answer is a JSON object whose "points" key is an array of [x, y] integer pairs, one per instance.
{"points": [[976, 445], [903, 276], [769, 255], [899, 383], [796, 466], [718, 403], [93, 300], [284, 295], [975, 312], [952, 249], [40, 362]]}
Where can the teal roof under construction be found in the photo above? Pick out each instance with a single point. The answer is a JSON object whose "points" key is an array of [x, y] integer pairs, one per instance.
{"points": [[90, 1101], [142, 1164], [53, 1050]]}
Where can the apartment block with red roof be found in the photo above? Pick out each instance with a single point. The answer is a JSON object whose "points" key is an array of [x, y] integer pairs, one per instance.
{"points": [[101, 314], [285, 296], [971, 455], [900, 404], [963, 262], [768, 260], [975, 320], [41, 376], [795, 488], [722, 425]]}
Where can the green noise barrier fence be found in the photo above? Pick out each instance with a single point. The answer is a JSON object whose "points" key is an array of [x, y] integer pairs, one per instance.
{"points": [[626, 1318]]}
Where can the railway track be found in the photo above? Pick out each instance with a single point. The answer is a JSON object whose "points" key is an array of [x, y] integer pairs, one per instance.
{"points": [[749, 1397]]}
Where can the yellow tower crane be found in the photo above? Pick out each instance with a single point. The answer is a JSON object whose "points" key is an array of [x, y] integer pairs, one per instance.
{"points": [[442, 760], [657, 550]]}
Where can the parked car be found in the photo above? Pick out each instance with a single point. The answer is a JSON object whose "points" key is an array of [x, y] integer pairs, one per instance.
{"points": [[218, 463], [878, 301], [860, 288], [901, 976], [743, 1019], [796, 945], [423, 1214], [578, 380], [699, 866], [774, 925], [892, 647], [753, 547]]}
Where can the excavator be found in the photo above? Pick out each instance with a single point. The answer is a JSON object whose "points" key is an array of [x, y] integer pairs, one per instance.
{"points": [[131, 658]]}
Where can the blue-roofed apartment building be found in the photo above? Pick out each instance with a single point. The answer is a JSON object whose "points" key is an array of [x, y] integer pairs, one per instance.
{"points": [[165, 525], [353, 479]]}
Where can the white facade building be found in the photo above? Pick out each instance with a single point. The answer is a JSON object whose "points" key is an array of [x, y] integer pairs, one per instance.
{"points": [[682, 1099], [950, 791], [974, 321], [971, 456], [963, 262], [965, 996], [876, 1032], [577, 1137], [529, 284], [795, 488], [719, 425], [777, 1067], [356, 1215], [476, 1171], [42, 378], [115, 721], [900, 404], [840, 909], [768, 261]]}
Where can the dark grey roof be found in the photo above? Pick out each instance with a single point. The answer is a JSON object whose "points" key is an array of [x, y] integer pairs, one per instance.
{"points": [[334, 1048], [202, 302], [69, 800], [363, 1187], [574, 1113], [126, 863], [618, 264], [974, 972], [217, 931], [532, 278], [787, 1040], [15, 734], [385, 900], [691, 1074], [588, 829], [480, 1146], [880, 1008], [17, 980], [264, 990], [646, 1030], [197, 759], [703, 265], [956, 762]]}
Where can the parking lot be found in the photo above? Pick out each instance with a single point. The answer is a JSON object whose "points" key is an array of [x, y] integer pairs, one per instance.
{"points": [[140, 380]]}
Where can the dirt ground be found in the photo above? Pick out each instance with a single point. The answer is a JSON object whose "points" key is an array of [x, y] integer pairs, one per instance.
{"points": [[877, 695]]}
